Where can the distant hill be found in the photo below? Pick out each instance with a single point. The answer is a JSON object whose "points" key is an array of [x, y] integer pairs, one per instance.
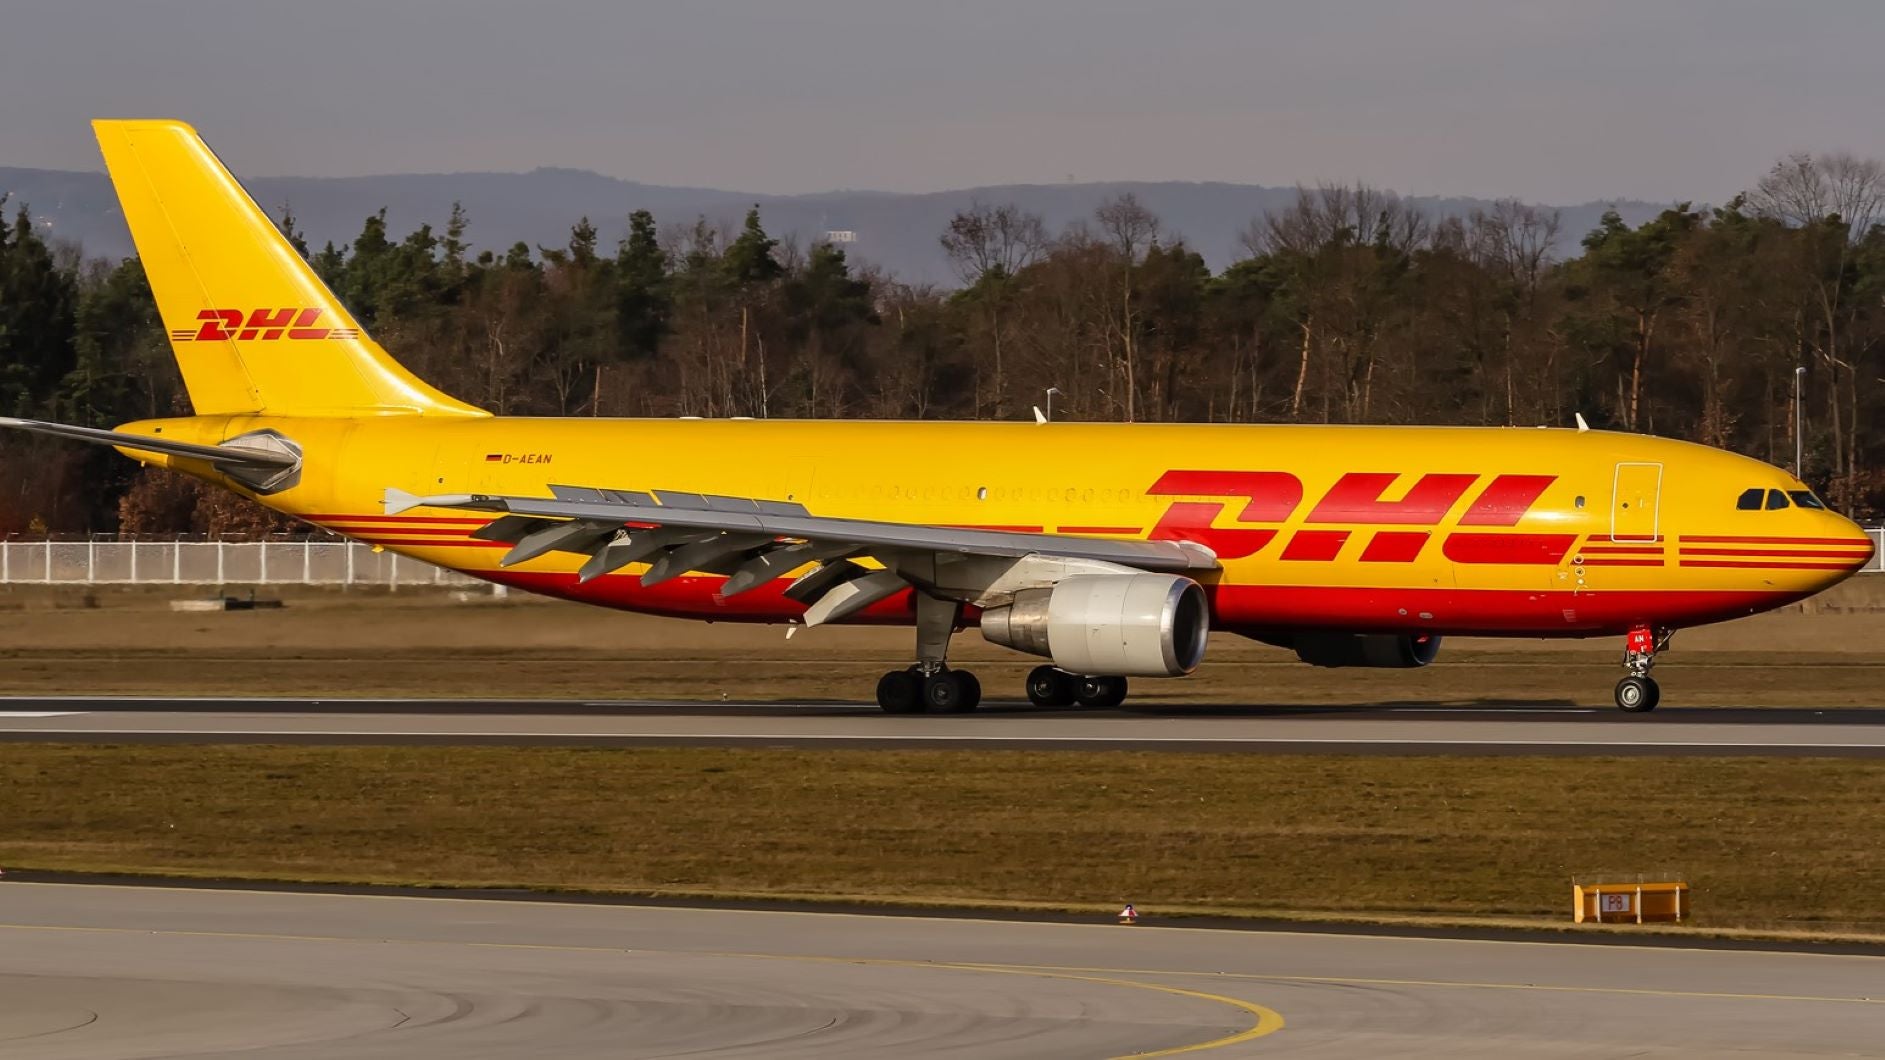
{"points": [[896, 231]]}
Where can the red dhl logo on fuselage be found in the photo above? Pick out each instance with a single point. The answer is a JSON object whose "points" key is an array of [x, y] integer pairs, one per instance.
{"points": [[261, 325], [1274, 497]]}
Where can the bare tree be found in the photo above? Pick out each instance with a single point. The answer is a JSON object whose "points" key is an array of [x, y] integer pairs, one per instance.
{"points": [[1334, 239], [1130, 229], [1340, 215], [1805, 189], [985, 239], [989, 247], [1820, 195], [1514, 242]]}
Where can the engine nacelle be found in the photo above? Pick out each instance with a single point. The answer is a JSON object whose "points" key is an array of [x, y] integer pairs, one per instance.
{"points": [[1389, 650], [1130, 625]]}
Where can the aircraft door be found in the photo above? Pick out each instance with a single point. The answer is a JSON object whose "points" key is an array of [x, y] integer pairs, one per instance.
{"points": [[1635, 502]]}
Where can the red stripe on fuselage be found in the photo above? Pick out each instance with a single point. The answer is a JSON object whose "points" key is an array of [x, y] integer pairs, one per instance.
{"points": [[431, 542], [1846, 541], [397, 519], [1622, 550], [1772, 564], [1239, 608], [1782, 553]]}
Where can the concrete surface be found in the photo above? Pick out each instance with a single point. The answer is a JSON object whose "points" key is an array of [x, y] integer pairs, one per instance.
{"points": [[120, 972]]}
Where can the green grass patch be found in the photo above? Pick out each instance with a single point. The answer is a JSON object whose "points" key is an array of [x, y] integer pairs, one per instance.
{"points": [[1766, 843]]}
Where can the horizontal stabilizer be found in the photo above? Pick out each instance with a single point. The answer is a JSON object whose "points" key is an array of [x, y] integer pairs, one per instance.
{"points": [[220, 455]]}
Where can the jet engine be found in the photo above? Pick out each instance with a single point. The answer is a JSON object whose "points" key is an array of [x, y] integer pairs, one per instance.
{"points": [[1150, 625], [1388, 650]]}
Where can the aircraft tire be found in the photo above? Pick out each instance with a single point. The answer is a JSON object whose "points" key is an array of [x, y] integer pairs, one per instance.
{"points": [[1638, 695], [952, 692], [1102, 692], [1050, 686], [900, 692]]}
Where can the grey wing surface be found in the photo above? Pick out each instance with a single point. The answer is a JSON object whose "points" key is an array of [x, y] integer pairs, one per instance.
{"points": [[753, 541]]}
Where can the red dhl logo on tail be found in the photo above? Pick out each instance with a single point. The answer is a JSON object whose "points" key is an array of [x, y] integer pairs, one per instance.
{"points": [[261, 325], [1274, 497]]}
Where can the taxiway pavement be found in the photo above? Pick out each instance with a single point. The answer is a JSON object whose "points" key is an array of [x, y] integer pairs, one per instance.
{"points": [[1381, 729], [131, 972]]}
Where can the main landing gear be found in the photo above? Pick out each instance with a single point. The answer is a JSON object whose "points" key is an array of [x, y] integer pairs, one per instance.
{"points": [[1638, 693], [944, 692], [929, 683], [1050, 686]]}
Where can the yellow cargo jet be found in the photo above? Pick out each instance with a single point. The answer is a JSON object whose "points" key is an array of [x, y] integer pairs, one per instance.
{"points": [[1110, 549]]}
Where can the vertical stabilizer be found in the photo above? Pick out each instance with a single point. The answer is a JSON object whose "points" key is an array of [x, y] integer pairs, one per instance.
{"points": [[253, 328]]}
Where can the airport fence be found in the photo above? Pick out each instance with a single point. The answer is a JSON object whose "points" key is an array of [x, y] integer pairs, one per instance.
{"points": [[286, 561], [278, 561]]}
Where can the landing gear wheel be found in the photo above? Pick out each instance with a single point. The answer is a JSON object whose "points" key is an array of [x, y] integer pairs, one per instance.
{"points": [[1102, 692], [952, 692], [900, 692], [1638, 695], [1050, 686]]}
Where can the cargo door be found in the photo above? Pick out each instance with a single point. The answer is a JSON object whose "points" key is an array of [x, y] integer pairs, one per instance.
{"points": [[1634, 502]]}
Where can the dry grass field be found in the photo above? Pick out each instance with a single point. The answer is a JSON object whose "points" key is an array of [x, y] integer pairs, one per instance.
{"points": [[1768, 844]]}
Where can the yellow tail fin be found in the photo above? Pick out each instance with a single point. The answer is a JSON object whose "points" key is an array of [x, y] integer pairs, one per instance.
{"points": [[253, 328]]}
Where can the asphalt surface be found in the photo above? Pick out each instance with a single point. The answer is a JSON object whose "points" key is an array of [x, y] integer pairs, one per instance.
{"points": [[1482, 729], [121, 972]]}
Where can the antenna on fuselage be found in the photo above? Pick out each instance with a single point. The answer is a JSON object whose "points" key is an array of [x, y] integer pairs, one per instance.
{"points": [[1581, 425]]}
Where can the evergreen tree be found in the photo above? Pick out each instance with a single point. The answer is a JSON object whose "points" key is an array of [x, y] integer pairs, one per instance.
{"points": [[38, 311], [749, 260]]}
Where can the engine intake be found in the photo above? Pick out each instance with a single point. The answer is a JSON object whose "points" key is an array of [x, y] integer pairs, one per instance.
{"points": [[1386, 650], [1138, 625]]}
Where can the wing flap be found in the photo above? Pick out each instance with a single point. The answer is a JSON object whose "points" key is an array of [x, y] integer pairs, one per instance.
{"points": [[755, 541]]}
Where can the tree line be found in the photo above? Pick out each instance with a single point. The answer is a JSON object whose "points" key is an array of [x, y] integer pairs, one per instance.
{"points": [[1349, 306]]}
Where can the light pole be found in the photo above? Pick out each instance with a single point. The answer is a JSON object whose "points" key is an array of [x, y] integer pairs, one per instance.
{"points": [[1799, 424], [1051, 391]]}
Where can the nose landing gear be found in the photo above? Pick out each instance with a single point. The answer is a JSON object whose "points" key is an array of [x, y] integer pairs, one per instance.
{"points": [[1638, 693]]}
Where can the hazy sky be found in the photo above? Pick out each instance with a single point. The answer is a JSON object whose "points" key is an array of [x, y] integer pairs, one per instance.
{"points": [[1557, 101]]}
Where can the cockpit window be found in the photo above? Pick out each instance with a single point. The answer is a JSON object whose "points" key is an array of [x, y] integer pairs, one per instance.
{"points": [[1805, 499], [1776, 499], [1750, 500]]}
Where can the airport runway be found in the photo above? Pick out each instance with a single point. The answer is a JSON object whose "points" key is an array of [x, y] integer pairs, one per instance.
{"points": [[1478, 729], [123, 972]]}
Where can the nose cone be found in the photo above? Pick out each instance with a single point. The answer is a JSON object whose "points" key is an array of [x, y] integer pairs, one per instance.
{"points": [[1851, 548], [1864, 541]]}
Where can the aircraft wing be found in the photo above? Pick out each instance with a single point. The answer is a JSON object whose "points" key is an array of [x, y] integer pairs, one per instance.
{"points": [[754, 541]]}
